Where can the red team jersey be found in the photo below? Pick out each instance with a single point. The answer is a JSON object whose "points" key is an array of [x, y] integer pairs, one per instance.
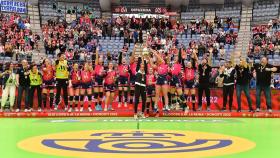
{"points": [[133, 68], [176, 69], [110, 77], [75, 77], [99, 70], [48, 73], [162, 69], [86, 76], [150, 79], [189, 74], [123, 70]]}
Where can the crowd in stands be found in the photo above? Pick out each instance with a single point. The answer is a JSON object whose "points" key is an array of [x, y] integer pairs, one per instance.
{"points": [[16, 37], [265, 40]]}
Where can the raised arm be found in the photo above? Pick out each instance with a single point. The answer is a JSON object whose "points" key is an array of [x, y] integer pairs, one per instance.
{"points": [[138, 64], [96, 55], [120, 58], [133, 54], [157, 55]]}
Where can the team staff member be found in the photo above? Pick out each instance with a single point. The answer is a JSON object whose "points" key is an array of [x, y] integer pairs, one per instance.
{"points": [[23, 83], [228, 84], [204, 71], [140, 86], [62, 74], [9, 86], [35, 84], [263, 73], [243, 77]]}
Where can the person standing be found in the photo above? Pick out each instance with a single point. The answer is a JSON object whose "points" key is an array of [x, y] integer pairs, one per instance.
{"points": [[228, 84], [23, 82], [262, 72], [243, 77], [36, 81], [9, 86], [140, 86], [204, 72], [62, 74]]}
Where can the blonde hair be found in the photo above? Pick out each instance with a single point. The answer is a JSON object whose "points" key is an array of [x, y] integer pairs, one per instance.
{"points": [[243, 63]]}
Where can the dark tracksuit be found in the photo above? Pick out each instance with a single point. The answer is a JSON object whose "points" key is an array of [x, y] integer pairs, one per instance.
{"points": [[228, 87], [204, 84], [140, 86]]}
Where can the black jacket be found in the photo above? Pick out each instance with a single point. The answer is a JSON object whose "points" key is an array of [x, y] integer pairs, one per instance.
{"points": [[141, 77], [228, 76], [243, 75]]}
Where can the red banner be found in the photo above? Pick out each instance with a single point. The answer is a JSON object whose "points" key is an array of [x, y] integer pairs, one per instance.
{"points": [[123, 9], [216, 100]]}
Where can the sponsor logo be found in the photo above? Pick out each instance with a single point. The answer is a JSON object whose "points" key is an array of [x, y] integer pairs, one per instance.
{"points": [[136, 144]]}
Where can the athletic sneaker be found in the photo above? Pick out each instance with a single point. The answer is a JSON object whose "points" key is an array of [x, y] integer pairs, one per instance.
{"points": [[119, 105], [70, 110], [76, 109], [89, 109], [17, 110], [167, 108], [110, 108], [66, 108], [25, 110], [270, 110], [258, 110], [141, 115], [135, 116], [99, 107], [39, 110], [1, 110], [125, 105], [81, 109], [208, 109], [199, 108], [157, 114]]}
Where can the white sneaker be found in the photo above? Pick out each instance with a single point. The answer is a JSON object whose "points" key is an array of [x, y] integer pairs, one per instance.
{"points": [[39, 110], [141, 115], [30, 110], [270, 110], [89, 109], [26, 110], [125, 105], [119, 105], [70, 110], [76, 109], [167, 108], [135, 116], [55, 108], [17, 110], [65, 109], [81, 109], [258, 110]]}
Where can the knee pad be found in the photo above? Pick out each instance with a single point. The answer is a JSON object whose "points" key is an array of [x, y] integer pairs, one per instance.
{"points": [[95, 95], [44, 96], [100, 95], [71, 98], [82, 97], [51, 95], [89, 97], [76, 98], [193, 98]]}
